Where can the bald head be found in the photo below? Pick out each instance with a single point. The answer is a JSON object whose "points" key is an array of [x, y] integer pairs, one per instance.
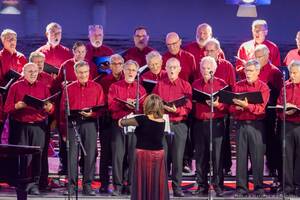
{"points": [[30, 71], [173, 42]]}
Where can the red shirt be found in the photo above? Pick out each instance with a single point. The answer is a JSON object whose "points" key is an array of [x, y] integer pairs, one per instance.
{"points": [[97, 52], [138, 55], [123, 91], [253, 111], [293, 97], [154, 77], [202, 111], [17, 92], [246, 52], [107, 80], [293, 54], [170, 91], [46, 79], [55, 55], [187, 63], [14, 61], [198, 52]]}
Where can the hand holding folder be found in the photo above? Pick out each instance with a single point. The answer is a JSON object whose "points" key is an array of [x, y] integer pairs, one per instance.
{"points": [[252, 97], [85, 112], [202, 97], [290, 108], [181, 101], [36, 102]]}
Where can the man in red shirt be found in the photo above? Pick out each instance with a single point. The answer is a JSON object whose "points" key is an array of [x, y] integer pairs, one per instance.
{"points": [[202, 130], [250, 131], [119, 93], [203, 33], [83, 94], [293, 54], [96, 48], [141, 48], [55, 53], [186, 59], [28, 124], [170, 89], [246, 50], [105, 121], [292, 134]]}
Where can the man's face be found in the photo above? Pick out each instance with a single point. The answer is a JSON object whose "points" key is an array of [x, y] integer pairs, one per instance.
{"points": [[173, 70], [262, 58], [155, 64], [251, 73], [295, 75], [259, 33], [39, 61], [130, 72], [96, 37], [173, 44], [82, 74], [10, 42], [141, 38], [298, 40], [79, 53], [211, 50], [54, 36], [206, 68], [202, 35], [31, 73], [116, 66]]}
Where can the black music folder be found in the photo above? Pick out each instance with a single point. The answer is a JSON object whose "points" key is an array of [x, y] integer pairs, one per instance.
{"points": [[36, 102], [149, 85], [181, 101], [280, 108], [201, 97], [12, 74], [124, 102], [253, 97], [4, 90], [50, 69], [76, 113]]}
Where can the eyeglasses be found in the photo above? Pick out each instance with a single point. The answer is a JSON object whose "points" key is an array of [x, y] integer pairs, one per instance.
{"points": [[119, 63], [210, 50], [140, 36], [32, 71], [173, 44]]}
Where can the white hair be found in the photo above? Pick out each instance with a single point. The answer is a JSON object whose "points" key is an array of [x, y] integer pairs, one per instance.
{"points": [[262, 47], [210, 60], [173, 61], [294, 63], [213, 41], [52, 25], [259, 22], [7, 32], [153, 54], [253, 62]]}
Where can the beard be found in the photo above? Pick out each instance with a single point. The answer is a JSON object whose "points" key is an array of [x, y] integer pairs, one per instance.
{"points": [[96, 44]]}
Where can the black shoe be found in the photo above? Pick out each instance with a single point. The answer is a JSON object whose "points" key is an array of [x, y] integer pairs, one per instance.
{"points": [[104, 189], [178, 193], [286, 192], [259, 193], [219, 192], [273, 173], [297, 192], [72, 192], [45, 188], [116, 192], [240, 193], [126, 190], [34, 190], [88, 191], [201, 191]]}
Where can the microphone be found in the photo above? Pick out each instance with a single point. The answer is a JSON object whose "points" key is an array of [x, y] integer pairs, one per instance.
{"points": [[211, 74]]}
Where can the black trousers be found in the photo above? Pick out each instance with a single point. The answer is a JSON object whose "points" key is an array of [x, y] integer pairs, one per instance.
{"points": [[105, 130], [175, 150], [226, 149], [122, 148], [88, 133], [202, 141], [250, 138], [292, 159], [45, 164]]}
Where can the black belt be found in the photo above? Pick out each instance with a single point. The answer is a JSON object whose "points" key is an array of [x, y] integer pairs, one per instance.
{"points": [[250, 121], [178, 122], [207, 120]]}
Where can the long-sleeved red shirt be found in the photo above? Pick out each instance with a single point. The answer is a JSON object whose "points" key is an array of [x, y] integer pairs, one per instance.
{"points": [[253, 111], [293, 97], [170, 91], [123, 91], [55, 55], [154, 77], [187, 63], [45, 78], [246, 52], [14, 61], [17, 92], [107, 80], [199, 52], [202, 111], [138, 55], [293, 54], [97, 52]]}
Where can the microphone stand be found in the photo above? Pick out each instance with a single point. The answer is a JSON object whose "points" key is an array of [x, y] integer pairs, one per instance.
{"points": [[211, 135], [284, 137], [137, 98], [67, 114]]}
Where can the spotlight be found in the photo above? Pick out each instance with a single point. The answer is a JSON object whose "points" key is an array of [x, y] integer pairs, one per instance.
{"points": [[247, 8], [9, 7]]}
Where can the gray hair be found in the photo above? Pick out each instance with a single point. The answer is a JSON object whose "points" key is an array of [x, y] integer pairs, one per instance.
{"points": [[153, 54], [7, 32], [204, 25], [131, 62], [208, 59], [262, 47], [36, 54], [259, 22], [213, 41], [116, 56], [294, 63], [27, 65], [93, 28], [52, 25], [173, 60], [79, 64], [253, 62]]}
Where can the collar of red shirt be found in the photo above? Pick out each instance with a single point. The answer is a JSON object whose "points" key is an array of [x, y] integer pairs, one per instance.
{"points": [[129, 84], [5, 51], [52, 47], [82, 85], [254, 84], [176, 82], [30, 84]]}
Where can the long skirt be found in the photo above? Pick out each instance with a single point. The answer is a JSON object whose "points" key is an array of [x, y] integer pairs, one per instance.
{"points": [[149, 181]]}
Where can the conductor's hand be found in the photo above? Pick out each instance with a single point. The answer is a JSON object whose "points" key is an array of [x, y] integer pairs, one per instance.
{"points": [[215, 103], [172, 109], [48, 107], [241, 103], [20, 105]]}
